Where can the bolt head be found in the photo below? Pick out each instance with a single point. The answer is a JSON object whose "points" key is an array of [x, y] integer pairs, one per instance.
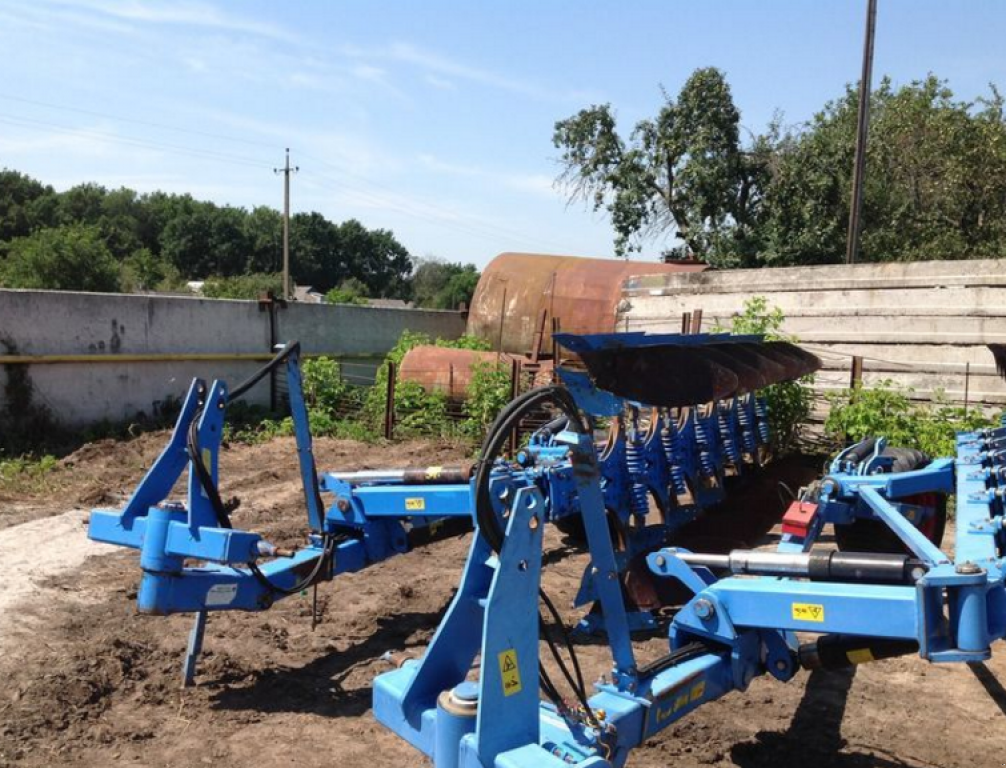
{"points": [[704, 609], [968, 569]]}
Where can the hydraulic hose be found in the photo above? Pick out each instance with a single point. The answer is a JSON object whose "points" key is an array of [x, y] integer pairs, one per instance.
{"points": [[491, 530], [496, 437], [288, 349], [205, 480]]}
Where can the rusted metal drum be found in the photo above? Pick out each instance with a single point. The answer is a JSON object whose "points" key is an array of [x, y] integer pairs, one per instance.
{"points": [[446, 370], [517, 288], [450, 370]]}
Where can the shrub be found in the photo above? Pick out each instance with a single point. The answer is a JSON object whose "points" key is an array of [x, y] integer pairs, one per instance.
{"points": [[887, 410], [788, 402]]}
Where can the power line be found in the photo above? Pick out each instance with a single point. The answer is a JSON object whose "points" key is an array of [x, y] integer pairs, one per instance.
{"points": [[429, 212], [137, 121], [144, 144], [458, 226], [443, 212]]}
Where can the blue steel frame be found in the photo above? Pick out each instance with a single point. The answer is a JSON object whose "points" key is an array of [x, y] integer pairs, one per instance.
{"points": [[745, 627], [680, 461], [371, 523]]}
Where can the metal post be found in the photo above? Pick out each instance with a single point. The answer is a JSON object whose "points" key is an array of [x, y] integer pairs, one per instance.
{"points": [[862, 131], [556, 328], [286, 170], [514, 391], [967, 385], [686, 323], [499, 344], [389, 403]]}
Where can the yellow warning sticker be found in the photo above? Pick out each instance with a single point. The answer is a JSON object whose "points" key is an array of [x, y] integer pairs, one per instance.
{"points": [[509, 672], [859, 656], [432, 473], [415, 504], [808, 612], [697, 692]]}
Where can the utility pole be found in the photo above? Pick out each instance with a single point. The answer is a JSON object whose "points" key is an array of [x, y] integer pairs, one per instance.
{"points": [[286, 170], [862, 130]]}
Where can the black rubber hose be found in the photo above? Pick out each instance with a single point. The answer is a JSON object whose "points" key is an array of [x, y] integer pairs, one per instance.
{"points": [[307, 581], [288, 349], [205, 480], [496, 437], [203, 473]]}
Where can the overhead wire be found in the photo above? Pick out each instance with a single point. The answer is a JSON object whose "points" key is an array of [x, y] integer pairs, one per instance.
{"points": [[429, 212]]}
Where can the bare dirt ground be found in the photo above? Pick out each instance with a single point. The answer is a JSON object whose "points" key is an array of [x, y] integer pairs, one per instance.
{"points": [[88, 682]]}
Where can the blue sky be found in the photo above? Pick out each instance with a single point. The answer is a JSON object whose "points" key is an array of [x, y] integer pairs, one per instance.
{"points": [[433, 119]]}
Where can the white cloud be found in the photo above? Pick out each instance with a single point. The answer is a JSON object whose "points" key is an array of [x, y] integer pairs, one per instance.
{"points": [[184, 12], [535, 183], [439, 82], [443, 68]]}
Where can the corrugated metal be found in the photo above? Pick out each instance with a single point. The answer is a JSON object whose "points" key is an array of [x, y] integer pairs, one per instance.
{"points": [[584, 294]]}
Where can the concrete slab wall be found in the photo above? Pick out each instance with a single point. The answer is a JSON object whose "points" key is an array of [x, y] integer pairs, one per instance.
{"points": [[45, 323], [920, 324]]}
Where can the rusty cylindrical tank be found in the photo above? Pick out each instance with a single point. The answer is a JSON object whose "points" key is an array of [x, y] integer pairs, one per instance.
{"points": [[517, 288], [444, 369], [450, 370]]}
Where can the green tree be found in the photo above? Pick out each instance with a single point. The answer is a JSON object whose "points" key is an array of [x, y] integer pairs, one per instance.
{"points": [[350, 291], [206, 242], [316, 257], [375, 258], [251, 286], [441, 285], [935, 179], [682, 171], [264, 233], [69, 258], [25, 204]]}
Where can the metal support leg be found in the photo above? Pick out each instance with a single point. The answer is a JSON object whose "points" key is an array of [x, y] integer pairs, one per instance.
{"points": [[194, 649]]}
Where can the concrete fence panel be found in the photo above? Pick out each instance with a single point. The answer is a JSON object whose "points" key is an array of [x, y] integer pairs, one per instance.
{"points": [[93, 357]]}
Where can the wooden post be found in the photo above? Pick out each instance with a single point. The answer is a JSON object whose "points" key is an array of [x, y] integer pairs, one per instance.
{"points": [[697, 321], [389, 403], [686, 322], [856, 374], [450, 380]]}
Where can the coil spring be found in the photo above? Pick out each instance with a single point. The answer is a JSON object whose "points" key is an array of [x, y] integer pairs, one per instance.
{"points": [[726, 435], [639, 499], [744, 413], [707, 464], [761, 416], [670, 442]]}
